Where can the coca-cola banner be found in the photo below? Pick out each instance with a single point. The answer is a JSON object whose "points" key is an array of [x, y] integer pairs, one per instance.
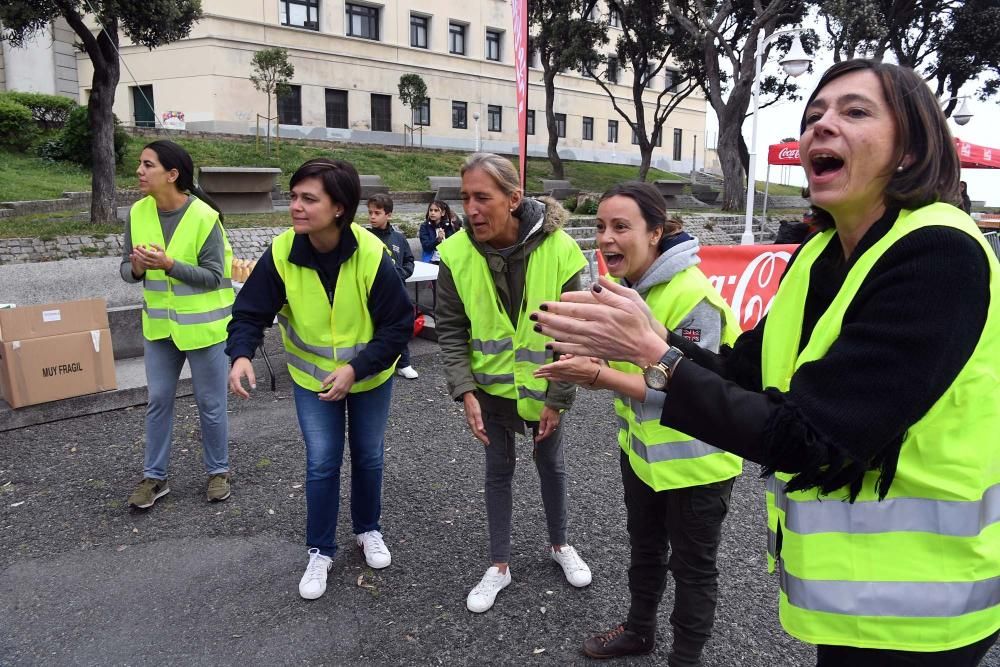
{"points": [[747, 276], [786, 153], [520, 15]]}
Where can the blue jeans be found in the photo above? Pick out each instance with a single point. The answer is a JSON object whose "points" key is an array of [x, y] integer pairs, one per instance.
{"points": [[210, 377], [322, 424], [404, 357]]}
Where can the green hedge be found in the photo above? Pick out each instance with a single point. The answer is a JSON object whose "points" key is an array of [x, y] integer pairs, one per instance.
{"points": [[49, 111], [17, 129], [75, 139]]}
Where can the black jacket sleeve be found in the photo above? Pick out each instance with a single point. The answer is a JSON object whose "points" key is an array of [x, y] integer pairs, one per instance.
{"points": [[848, 412], [392, 315], [260, 299], [406, 258]]}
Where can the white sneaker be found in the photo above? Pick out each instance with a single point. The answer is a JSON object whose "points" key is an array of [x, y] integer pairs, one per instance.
{"points": [[577, 572], [482, 597], [376, 553], [408, 372], [313, 583]]}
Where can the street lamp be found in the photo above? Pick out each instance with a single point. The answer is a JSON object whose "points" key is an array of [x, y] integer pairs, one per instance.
{"points": [[475, 117], [795, 63], [964, 113]]}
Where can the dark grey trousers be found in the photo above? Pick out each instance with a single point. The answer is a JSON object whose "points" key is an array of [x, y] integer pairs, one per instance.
{"points": [[500, 461]]}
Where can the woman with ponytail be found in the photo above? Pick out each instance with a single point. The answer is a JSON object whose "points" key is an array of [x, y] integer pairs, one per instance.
{"points": [[176, 247], [677, 488]]}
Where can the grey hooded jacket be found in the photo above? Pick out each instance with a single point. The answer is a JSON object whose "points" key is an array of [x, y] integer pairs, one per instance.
{"points": [[538, 218]]}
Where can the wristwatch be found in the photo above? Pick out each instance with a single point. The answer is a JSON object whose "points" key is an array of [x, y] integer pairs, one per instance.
{"points": [[657, 375]]}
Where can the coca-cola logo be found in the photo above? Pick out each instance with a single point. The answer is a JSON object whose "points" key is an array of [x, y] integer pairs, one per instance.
{"points": [[748, 284], [788, 153]]}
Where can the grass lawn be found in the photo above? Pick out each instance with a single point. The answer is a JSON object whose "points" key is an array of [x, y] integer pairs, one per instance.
{"points": [[23, 176]]}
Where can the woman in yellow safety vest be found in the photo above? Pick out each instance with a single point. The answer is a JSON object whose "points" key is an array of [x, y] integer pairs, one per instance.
{"points": [[345, 317], [869, 393], [511, 255], [176, 247], [677, 488]]}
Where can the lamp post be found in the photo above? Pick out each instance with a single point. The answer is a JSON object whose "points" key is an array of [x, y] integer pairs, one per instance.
{"points": [[964, 114], [795, 63], [475, 117]]}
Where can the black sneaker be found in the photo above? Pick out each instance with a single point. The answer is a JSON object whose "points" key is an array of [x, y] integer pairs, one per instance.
{"points": [[618, 642]]}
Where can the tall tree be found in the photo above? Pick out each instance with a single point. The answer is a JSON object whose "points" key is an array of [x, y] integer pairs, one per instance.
{"points": [[563, 39], [148, 23], [649, 38], [270, 72], [951, 43], [412, 93], [723, 38]]}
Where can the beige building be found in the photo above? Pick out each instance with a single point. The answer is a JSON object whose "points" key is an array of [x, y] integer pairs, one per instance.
{"points": [[348, 59], [45, 64]]}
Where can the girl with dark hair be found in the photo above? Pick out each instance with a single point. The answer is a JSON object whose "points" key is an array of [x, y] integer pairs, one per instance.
{"points": [[436, 227], [677, 487], [868, 393], [176, 247], [344, 317]]}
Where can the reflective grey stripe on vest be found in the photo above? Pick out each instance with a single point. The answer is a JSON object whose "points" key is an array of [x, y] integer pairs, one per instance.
{"points": [[155, 285], [183, 289], [325, 352], [954, 518], [524, 392], [315, 371], [646, 412], [486, 379], [908, 599], [669, 451], [532, 356], [622, 423], [348, 353], [188, 318], [492, 346]]}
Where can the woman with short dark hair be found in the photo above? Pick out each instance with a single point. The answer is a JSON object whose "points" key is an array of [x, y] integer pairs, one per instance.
{"points": [[868, 392], [344, 317], [176, 247]]}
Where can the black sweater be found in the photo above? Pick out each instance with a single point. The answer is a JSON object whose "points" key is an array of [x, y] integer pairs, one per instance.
{"points": [[912, 326], [263, 296]]}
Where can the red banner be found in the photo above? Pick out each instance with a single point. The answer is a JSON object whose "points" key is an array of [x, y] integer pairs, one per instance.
{"points": [[786, 153], [973, 156], [747, 276], [520, 15]]}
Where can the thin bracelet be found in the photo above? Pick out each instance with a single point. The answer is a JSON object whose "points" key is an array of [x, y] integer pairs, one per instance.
{"points": [[594, 381]]}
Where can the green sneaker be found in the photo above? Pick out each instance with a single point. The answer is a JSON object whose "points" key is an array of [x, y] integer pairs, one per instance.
{"points": [[148, 491], [218, 487]]}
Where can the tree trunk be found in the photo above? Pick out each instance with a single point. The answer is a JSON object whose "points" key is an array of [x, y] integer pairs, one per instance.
{"points": [[268, 121], [549, 76], [102, 128], [646, 151], [734, 181]]}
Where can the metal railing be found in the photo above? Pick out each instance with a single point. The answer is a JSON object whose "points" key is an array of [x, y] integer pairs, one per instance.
{"points": [[993, 238], [408, 130], [277, 134]]}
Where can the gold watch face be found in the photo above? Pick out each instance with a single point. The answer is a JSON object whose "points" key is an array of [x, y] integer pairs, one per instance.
{"points": [[656, 377]]}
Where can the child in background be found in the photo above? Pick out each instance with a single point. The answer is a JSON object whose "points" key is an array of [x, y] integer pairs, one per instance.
{"points": [[437, 226], [379, 213]]}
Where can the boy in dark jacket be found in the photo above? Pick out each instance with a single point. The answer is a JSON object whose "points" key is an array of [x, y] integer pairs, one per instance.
{"points": [[379, 213]]}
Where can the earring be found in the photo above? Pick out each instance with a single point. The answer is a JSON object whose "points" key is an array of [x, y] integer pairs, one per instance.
{"points": [[899, 168]]}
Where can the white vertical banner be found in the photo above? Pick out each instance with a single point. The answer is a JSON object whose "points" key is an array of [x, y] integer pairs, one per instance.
{"points": [[520, 15]]}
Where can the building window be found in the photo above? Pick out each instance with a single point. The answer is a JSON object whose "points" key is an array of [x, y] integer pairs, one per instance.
{"points": [[336, 108], [418, 31], [362, 21], [671, 80], [612, 131], [422, 112], [612, 70], [381, 113], [460, 115], [290, 106], [456, 38], [635, 138], [561, 125], [493, 45], [142, 106], [595, 14], [678, 142], [614, 19], [649, 76], [533, 59], [494, 116], [530, 122], [588, 128], [300, 13]]}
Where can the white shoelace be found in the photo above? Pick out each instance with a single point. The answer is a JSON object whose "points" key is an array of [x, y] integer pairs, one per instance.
{"points": [[372, 541], [570, 559], [489, 584], [317, 567]]}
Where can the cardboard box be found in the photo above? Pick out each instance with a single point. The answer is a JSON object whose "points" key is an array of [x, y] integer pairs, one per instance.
{"points": [[55, 351]]}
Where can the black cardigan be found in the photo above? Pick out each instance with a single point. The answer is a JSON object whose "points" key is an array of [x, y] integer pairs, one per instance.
{"points": [[912, 326]]}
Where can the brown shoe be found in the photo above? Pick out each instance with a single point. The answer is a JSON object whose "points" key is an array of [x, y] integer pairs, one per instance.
{"points": [[618, 642], [218, 487]]}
